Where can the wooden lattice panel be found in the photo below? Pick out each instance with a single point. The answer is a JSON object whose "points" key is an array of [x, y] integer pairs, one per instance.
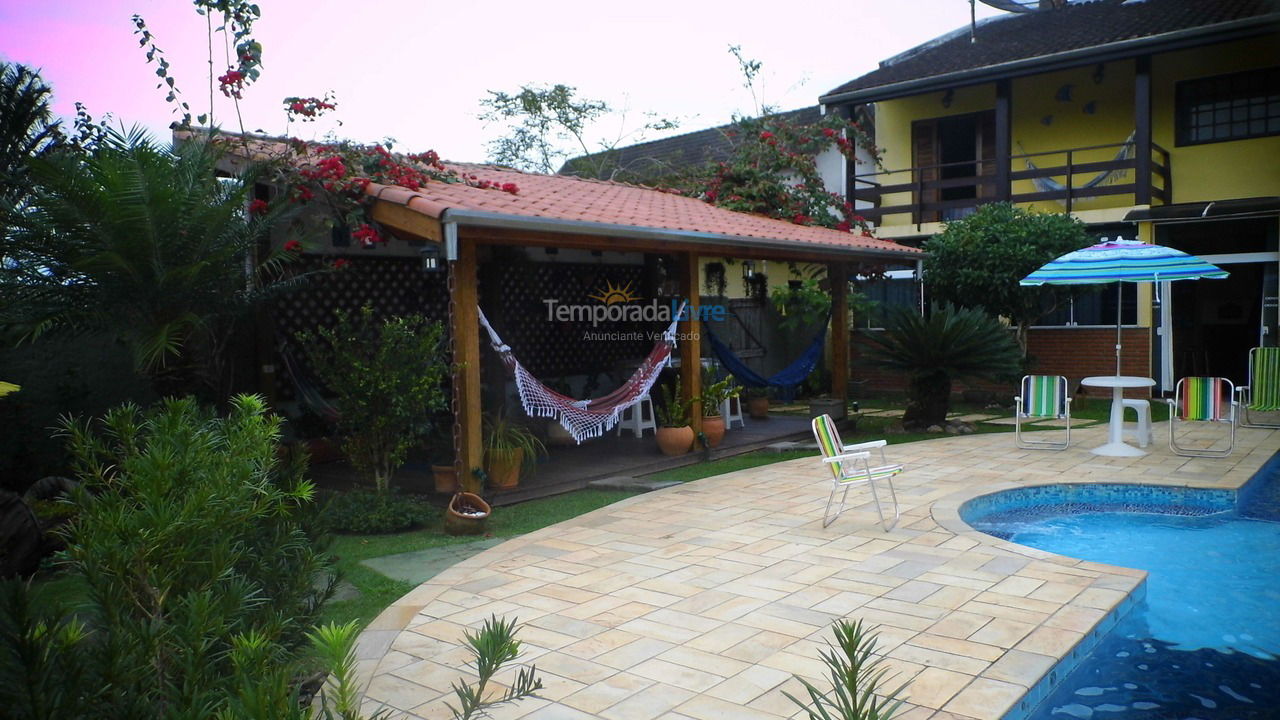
{"points": [[393, 286], [552, 349]]}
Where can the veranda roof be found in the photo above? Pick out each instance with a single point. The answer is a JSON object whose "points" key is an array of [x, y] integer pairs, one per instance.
{"points": [[571, 205]]}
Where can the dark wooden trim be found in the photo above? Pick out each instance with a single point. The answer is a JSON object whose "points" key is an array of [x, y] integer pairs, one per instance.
{"points": [[1004, 137], [1142, 125]]}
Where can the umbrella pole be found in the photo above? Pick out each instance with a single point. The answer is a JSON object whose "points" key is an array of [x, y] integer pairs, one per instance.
{"points": [[1118, 316]]}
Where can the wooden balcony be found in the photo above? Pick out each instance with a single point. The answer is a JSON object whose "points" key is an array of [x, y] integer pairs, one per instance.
{"points": [[947, 191]]}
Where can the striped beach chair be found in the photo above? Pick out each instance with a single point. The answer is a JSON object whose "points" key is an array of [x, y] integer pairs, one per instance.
{"points": [[1262, 394], [1042, 396], [851, 465], [1202, 399]]}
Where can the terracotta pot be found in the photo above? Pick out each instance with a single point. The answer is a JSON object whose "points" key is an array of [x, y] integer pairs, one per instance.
{"points": [[758, 407], [713, 428], [457, 521], [323, 450], [503, 468], [446, 478], [557, 435], [674, 441]]}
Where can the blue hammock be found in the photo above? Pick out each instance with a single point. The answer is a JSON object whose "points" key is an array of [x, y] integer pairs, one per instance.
{"points": [[787, 378]]}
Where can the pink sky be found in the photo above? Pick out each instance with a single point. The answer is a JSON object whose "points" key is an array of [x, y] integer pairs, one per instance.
{"points": [[415, 70]]}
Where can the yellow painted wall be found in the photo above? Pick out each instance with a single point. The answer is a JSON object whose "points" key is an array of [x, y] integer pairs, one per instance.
{"points": [[893, 133], [1221, 170], [1213, 171]]}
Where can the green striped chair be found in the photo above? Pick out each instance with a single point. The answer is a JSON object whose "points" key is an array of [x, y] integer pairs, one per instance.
{"points": [[1042, 396], [1262, 394], [851, 465], [1202, 399]]}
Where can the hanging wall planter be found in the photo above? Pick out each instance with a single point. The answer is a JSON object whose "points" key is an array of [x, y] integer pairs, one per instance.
{"points": [[714, 281], [467, 514]]}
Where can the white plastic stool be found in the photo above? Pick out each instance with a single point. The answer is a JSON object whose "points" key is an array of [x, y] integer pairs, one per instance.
{"points": [[638, 418], [1142, 430], [731, 410]]}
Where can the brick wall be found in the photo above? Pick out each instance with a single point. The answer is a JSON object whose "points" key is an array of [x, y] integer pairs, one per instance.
{"points": [[1074, 352]]}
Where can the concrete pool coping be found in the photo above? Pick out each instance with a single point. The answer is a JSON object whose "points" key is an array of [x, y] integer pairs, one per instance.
{"points": [[701, 601]]}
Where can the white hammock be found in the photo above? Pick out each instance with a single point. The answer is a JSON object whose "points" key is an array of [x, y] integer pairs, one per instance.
{"points": [[1107, 177], [585, 418]]}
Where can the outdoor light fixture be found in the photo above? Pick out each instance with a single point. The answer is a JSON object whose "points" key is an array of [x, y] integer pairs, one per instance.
{"points": [[947, 97], [748, 269], [431, 258]]}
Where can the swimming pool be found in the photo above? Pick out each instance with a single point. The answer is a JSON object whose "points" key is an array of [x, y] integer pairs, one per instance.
{"points": [[1205, 643]]}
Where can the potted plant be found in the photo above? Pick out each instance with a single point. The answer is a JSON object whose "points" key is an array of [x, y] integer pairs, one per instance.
{"points": [[758, 287], [713, 394], [467, 514], [714, 281], [757, 402], [508, 447], [440, 449], [675, 436]]}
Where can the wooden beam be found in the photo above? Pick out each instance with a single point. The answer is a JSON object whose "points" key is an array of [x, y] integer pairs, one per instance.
{"points": [[410, 222], [1142, 129], [526, 238], [1004, 137], [466, 361], [837, 273], [689, 342]]}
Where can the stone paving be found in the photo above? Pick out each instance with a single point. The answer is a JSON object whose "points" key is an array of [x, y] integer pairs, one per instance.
{"points": [[704, 601]]}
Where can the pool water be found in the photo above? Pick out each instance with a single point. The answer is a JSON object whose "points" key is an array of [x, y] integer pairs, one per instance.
{"points": [[1206, 642]]}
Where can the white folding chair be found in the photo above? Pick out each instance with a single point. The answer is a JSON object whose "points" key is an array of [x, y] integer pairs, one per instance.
{"points": [[851, 465]]}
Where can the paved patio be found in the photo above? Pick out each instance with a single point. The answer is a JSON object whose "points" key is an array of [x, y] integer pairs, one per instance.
{"points": [[702, 601]]}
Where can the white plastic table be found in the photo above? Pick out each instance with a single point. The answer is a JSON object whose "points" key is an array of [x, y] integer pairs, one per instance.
{"points": [[1116, 446]]}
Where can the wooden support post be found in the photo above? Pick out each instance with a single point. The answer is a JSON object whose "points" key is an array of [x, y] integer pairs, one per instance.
{"points": [[1142, 130], [1004, 139], [690, 345], [466, 360], [839, 277]]}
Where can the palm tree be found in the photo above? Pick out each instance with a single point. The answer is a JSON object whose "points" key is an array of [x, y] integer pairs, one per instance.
{"points": [[28, 128], [146, 243], [950, 343]]}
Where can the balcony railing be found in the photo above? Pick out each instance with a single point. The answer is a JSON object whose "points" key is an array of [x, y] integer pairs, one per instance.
{"points": [[946, 191]]}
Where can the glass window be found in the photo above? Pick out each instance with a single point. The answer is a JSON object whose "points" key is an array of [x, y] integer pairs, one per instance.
{"points": [[900, 291], [1228, 107], [1093, 305]]}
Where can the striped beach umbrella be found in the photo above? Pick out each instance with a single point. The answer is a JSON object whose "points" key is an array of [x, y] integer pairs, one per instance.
{"points": [[1120, 261]]}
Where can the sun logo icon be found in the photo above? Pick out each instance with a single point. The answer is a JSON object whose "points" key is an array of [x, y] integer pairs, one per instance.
{"points": [[613, 294]]}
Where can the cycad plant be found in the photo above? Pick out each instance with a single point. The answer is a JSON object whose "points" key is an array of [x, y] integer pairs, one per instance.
{"points": [[936, 349], [144, 242]]}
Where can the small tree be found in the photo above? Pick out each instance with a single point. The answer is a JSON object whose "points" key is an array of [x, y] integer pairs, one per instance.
{"points": [[388, 377], [950, 343], [980, 259], [546, 126], [857, 677]]}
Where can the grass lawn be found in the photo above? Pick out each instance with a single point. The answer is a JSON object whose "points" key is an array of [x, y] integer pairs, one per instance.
{"points": [[377, 591]]}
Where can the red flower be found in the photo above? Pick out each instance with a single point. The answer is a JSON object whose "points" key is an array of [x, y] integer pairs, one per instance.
{"points": [[510, 188], [305, 194], [293, 246], [232, 83], [843, 226], [340, 264], [828, 132], [257, 207], [766, 135], [801, 219], [367, 235]]}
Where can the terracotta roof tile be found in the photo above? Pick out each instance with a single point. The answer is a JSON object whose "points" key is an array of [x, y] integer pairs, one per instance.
{"points": [[558, 197]]}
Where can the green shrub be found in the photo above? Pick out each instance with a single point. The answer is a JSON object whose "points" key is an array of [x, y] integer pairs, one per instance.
{"points": [[368, 513], [388, 377], [195, 548]]}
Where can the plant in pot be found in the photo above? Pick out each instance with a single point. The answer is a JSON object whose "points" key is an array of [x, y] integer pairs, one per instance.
{"points": [[757, 402], [440, 448], [675, 435], [508, 448], [714, 281], [713, 395]]}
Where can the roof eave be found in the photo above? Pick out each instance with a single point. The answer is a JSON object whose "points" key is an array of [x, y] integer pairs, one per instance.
{"points": [[477, 218], [1163, 42]]}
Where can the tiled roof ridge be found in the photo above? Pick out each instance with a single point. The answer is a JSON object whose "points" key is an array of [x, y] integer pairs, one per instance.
{"points": [[490, 167]]}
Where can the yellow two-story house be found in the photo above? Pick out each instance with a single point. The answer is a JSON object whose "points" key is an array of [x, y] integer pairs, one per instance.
{"points": [[1155, 119]]}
